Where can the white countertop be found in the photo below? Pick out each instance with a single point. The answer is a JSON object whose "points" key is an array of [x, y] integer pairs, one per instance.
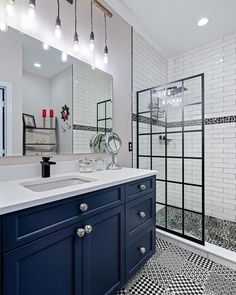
{"points": [[14, 196]]}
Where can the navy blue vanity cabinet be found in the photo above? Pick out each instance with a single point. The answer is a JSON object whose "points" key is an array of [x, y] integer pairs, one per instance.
{"points": [[140, 224], [50, 265], [86, 245], [103, 253]]}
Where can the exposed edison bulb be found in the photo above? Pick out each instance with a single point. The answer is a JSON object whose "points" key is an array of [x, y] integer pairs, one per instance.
{"points": [[64, 56], [3, 26], [76, 43], [91, 42], [10, 8], [46, 46], [57, 32], [31, 12], [58, 28], [105, 57]]}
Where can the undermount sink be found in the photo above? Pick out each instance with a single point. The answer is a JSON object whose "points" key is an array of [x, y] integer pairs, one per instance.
{"points": [[56, 183]]}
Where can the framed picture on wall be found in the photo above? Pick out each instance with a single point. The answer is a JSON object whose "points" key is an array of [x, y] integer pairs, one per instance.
{"points": [[29, 121]]}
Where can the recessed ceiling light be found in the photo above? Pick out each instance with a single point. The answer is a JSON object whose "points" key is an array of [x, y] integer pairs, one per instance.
{"points": [[37, 65], [203, 21]]}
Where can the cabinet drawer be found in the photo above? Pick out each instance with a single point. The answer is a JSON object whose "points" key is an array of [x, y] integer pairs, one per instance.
{"points": [[28, 225], [138, 188], [140, 214], [139, 250]]}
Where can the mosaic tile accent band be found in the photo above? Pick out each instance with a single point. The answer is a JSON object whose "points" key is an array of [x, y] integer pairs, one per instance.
{"points": [[91, 128], [208, 121]]}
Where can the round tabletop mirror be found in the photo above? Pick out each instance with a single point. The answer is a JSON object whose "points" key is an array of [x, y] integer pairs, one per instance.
{"points": [[113, 145]]}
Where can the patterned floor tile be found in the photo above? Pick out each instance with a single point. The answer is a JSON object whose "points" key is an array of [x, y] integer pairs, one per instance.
{"points": [[201, 261], [158, 273], [162, 244], [175, 271], [146, 287], [222, 281], [195, 273], [184, 286]]}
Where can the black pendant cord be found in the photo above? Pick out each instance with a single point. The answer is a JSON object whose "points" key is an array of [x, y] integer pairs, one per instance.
{"points": [[75, 17], [105, 25], [58, 8], [91, 17]]}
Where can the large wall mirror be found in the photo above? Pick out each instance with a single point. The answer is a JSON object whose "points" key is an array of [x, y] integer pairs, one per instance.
{"points": [[49, 103]]}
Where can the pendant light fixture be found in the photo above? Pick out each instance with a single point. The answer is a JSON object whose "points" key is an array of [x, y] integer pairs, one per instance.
{"points": [[76, 37], [105, 58], [58, 22], [32, 6], [91, 44], [10, 8]]}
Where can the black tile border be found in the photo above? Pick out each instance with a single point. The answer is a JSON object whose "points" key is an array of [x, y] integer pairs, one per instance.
{"points": [[91, 128], [208, 121]]}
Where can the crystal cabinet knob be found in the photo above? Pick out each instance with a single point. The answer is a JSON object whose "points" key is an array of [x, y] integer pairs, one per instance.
{"points": [[88, 229], [80, 232], [142, 187], [142, 214], [142, 250], [83, 207]]}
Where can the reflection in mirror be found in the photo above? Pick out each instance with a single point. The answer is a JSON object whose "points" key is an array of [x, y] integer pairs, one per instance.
{"points": [[49, 103]]}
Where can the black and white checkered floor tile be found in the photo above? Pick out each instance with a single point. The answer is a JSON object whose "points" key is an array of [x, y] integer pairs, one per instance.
{"points": [[175, 271]]}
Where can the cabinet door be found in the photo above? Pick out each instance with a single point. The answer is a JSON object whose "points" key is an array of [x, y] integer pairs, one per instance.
{"points": [[48, 266], [103, 253]]}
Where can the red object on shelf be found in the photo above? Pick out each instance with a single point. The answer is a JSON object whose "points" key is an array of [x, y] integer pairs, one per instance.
{"points": [[44, 113], [51, 113]]}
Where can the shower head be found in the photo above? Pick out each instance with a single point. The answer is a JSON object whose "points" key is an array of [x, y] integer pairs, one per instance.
{"points": [[171, 91]]}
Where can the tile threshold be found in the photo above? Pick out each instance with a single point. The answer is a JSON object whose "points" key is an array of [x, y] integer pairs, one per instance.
{"points": [[210, 251]]}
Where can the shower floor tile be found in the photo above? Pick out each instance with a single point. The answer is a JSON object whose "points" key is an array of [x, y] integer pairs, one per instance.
{"points": [[219, 232], [176, 271]]}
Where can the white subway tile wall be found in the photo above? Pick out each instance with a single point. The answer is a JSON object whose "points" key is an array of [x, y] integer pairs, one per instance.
{"points": [[217, 61], [89, 88], [149, 69]]}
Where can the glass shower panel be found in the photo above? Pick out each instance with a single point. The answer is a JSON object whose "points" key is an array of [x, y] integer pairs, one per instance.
{"points": [[193, 171], [174, 169], [193, 198], [159, 165], [174, 145], [193, 92], [193, 117], [193, 144], [161, 191], [158, 145], [144, 163], [160, 215], [170, 140], [174, 194], [193, 225], [174, 219], [145, 145]]}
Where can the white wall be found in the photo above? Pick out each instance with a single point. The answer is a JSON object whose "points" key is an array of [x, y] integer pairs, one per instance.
{"points": [[61, 94], [217, 61], [11, 72], [119, 42], [36, 95]]}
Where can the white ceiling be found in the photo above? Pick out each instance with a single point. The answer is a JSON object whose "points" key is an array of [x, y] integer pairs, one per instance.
{"points": [[171, 25]]}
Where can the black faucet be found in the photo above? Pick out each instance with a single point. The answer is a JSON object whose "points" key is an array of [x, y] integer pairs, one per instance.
{"points": [[46, 163]]}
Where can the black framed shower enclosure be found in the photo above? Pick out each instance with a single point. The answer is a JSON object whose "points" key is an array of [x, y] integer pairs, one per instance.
{"points": [[170, 139]]}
